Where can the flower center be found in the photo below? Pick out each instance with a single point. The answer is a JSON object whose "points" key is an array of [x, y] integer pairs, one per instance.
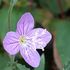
{"points": [[22, 40]]}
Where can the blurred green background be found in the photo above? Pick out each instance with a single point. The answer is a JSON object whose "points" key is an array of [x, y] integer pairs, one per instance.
{"points": [[51, 14]]}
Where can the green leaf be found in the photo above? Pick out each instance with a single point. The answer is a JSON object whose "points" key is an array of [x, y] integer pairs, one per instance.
{"points": [[62, 30], [4, 21], [38, 15], [4, 59], [54, 6], [8, 68], [42, 64], [20, 67]]}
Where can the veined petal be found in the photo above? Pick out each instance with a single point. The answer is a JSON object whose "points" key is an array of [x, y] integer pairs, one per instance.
{"points": [[40, 37], [30, 56], [25, 24], [10, 43]]}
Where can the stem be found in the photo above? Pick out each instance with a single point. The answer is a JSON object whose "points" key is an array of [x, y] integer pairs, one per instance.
{"points": [[61, 8], [12, 58], [10, 15], [9, 27]]}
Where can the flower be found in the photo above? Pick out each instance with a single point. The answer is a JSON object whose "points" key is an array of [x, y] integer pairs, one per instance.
{"points": [[26, 40]]}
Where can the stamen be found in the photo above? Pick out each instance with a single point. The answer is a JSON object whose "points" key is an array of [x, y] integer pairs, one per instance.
{"points": [[44, 31], [22, 40], [42, 48]]}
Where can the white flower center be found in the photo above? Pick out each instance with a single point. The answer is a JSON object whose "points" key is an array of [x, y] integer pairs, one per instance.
{"points": [[22, 40]]}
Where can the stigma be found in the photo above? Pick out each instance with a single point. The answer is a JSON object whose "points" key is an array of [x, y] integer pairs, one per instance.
{"points": [[22, 40]]}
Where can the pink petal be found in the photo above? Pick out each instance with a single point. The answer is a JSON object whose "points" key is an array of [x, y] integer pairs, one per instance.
{"points": [[30, 56], [10, 43], [41, 37], [25, 24]]}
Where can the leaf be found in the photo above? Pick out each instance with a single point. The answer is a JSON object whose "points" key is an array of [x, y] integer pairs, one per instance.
{"points": [[54, 6], [38, 15], [20, 67], [62, 30], [42, 63], [4, 21], [4, 59], [8, 68]]}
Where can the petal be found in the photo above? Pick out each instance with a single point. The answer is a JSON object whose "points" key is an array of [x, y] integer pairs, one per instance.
{"points": [[25, 24], [31, 57], [40, 37], [10, 43]]}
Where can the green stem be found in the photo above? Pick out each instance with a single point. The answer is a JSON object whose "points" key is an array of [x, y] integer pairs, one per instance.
{"points": [[9, 27], [10, 15], [12, 59]]}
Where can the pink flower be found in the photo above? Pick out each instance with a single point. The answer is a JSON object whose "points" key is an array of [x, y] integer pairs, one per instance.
{"points": [[26, 40]]}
